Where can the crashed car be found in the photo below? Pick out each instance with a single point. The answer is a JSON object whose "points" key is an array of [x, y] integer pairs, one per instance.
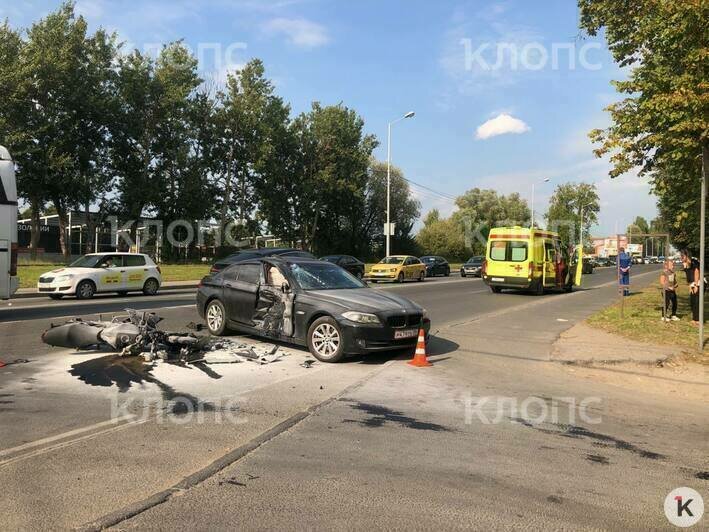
{"points": [[309, 303]]}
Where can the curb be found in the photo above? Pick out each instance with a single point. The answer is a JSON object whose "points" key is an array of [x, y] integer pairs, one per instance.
{"points": [[163, 288]]}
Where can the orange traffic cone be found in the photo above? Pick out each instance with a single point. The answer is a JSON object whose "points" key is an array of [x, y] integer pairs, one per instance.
{"points": [[420, 360]]}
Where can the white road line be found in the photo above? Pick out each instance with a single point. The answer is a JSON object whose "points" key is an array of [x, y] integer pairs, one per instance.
{"points": [[61, 445], [112, 313], [64, 435]]}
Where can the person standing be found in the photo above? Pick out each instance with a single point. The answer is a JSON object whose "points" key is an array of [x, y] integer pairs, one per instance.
{"points": [[691, 269], [668, 281], [625, 261]]}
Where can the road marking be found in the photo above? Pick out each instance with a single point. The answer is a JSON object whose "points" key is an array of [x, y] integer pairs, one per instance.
{"points": [[116, 313]]}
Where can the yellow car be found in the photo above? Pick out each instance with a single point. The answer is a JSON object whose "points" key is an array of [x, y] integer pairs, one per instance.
{"points": [[398, 268]]}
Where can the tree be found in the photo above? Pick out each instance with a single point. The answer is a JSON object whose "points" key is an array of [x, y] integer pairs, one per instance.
{"points": [[662, 124], [568, 205], [443, 237], [405, 210], [481, 210]]}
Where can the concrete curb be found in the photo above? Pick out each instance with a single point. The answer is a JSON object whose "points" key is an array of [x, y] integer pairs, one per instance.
{"points": [[167, 287], [219, 464]]}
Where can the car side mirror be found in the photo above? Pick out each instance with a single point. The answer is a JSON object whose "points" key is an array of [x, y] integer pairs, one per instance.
{"points": [[285, 287]]}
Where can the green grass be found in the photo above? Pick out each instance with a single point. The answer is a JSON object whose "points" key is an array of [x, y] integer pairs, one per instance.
{"points": [[643, 310], [170, 272]]}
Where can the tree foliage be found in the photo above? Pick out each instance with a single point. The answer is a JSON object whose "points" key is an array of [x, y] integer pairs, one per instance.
{"points": [[662, 124], [569, 203]]}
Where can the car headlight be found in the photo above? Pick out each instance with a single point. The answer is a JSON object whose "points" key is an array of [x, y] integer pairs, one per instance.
{"points": [[63, 278], [361, 317]]}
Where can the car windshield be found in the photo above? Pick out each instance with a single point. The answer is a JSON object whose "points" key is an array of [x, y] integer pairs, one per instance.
{"points": [[323, 276], [87, 261], [428, 259], [475, 260], [392, 260], [332, 258]]}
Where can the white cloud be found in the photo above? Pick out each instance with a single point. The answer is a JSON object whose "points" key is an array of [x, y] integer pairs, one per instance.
{"points": [[502, 124], [299, 32]]}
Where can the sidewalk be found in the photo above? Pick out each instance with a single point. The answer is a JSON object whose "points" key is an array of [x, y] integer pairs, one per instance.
{"points": [[612, 359], [167, 286]]}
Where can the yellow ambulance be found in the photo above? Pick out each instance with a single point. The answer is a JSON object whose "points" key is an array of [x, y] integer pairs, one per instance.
{"points": [[530, 259]]}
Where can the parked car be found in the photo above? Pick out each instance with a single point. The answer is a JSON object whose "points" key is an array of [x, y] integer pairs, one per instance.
{"points": [[102, 272], [472, 267], [436, 266], [348, 262], [248, 254], [398, 268], [311, 303]]}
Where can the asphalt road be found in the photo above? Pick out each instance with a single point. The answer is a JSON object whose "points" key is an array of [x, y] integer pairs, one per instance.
{"points": [[368, 443]]}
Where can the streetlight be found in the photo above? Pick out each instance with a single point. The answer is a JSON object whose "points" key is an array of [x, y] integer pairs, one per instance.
{"points": [[545, 180], [410, 114]]}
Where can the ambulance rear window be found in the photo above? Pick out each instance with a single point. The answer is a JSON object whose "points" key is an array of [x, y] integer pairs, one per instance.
{"points": [[509, 251]]}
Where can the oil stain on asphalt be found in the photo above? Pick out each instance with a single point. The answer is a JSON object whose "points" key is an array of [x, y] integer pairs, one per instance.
{"points": [[123, 372], [381, 415]]}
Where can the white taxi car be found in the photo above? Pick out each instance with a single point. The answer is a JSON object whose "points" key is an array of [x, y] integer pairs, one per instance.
{"points": [[103, 272]]}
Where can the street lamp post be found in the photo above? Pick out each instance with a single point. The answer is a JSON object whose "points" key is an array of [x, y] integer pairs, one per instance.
{"points": [[410, 114], [545, 180]]}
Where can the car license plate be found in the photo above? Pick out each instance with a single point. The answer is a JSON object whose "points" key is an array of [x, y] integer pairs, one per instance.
{"points": [[408, 333], [498, 280]]}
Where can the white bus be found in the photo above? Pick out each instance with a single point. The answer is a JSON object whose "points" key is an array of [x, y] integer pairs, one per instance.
{"points": [[8, 226]]}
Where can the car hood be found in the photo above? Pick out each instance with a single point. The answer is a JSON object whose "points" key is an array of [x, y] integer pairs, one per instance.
{"points": [[365, 299], [67, 271]]}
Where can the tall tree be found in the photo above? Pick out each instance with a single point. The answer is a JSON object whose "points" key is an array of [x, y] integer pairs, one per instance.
{"points": [[662, 124], [481, 210], [568, 205]]}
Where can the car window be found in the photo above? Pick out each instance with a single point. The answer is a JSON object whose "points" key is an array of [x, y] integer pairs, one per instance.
{"points": [[510, 250], [87, 261], [230, 273], [323, 276], [408, 261], [391, 260], [249, 273], [111, 261], [134, 260], [414, 260], [346, 260]]}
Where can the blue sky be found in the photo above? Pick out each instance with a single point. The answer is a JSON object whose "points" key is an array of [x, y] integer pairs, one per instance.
{"points": [[458, 65]]}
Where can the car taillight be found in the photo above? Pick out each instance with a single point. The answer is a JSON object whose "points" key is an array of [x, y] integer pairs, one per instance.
{"points": [[13, 260], [483, 268]]}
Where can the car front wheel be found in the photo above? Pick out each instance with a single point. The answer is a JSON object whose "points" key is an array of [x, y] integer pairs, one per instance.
{"points": [[325, 340], [215, 316]]}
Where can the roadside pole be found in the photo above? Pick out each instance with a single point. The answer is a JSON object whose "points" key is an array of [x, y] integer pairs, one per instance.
{"points": [[702, 246]]}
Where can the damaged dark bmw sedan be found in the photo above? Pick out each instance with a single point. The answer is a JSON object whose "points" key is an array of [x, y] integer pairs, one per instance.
{"points": [[309, 303]]}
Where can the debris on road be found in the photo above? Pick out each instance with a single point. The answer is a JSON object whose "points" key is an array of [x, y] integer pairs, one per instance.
{"points": [[137, 334], [308, 363]]}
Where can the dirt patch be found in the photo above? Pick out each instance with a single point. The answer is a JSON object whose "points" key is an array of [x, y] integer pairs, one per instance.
{"points": [[598, 355]]}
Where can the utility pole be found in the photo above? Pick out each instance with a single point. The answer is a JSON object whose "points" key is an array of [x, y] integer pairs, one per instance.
{"points": [[702, 243], [410, 114]]}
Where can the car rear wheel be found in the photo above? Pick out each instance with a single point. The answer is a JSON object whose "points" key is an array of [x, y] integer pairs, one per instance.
{"points": [[325, 340], [448, 272], [422, 276], [85, 290], [400, 278], [215, 316], [151, 286]]}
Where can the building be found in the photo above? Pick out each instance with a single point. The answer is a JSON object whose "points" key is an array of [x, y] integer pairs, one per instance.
{"points": [[607, 246]]}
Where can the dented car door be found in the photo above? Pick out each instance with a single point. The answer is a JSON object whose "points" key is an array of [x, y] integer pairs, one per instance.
{"points": [[241, 284]]}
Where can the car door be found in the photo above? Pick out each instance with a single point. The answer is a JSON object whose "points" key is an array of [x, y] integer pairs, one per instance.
{"points": [[111, 274], [241, 284], [549, 263], [135, 271]]}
